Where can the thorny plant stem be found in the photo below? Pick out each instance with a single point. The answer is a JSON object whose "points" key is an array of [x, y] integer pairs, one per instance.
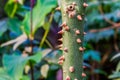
{"points": [[31, 38], [72, 34]]}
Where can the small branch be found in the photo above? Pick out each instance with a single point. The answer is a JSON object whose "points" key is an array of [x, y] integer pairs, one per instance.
{"points": [[115, 42], [31, 38], [102, 13], [117, 25]]}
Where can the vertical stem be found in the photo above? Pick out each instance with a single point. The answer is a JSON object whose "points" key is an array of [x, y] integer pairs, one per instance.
{"points": [[31, 38], [73, 42]]}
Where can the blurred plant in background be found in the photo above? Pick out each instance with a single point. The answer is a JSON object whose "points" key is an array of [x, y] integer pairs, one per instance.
{"points": [[102, 55]]}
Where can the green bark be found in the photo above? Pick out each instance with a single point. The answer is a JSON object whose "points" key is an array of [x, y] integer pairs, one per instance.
{"points": [[74, 57]]}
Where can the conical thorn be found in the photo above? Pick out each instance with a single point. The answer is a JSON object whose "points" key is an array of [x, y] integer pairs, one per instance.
{"points": [[61, 32], [79, 17]]}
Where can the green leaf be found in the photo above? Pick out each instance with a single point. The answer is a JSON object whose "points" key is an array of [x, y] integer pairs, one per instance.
{"points": [[4, 75], [118, 67], [11, 8], [99, 71], [14, 25], [25, 78], [3, 26], [115, 56], [42, 8], [14, 64], [94, 55], [37, 57], [114, 75]]}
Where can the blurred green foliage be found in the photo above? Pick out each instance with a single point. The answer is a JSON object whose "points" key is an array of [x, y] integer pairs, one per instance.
{"points": [[102, 40]]}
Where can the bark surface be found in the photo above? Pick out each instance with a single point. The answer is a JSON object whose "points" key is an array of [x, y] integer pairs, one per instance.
{"points": [[73, 56]]}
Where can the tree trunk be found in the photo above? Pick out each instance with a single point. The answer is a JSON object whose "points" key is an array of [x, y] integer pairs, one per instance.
{"points": [[72, 31]]}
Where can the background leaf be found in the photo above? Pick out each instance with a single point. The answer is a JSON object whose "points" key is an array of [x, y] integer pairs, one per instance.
{"points": [[42, 8], [15, 71]]}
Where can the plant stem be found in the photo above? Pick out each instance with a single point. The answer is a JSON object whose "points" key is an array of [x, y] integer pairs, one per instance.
{"points": [[73, 57], [31, 38]]}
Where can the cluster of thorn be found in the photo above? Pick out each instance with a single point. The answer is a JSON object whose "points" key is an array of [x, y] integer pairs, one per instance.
{"points": [[70, 10]]}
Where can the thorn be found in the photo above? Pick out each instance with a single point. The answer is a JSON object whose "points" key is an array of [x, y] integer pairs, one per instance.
{"points": [[66, 49], [77, 32], [61, 32], [70, 7], [71, 69], [84, 33], [64, 71], [72, 14], [79, 17], [81, 49], [85, 5], [84, 48], [61, 39], [83, 75], [84, 67], [68, 78], [74, 3], [62, 58], [58, 8], [64, 14], [63, 24], [78, 40], [60, 62], [66, 11], [75, 79], [60, 46], [67, 28]]}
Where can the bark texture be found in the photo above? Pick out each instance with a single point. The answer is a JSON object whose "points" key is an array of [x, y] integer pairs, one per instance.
{"points": [[71, 45]]}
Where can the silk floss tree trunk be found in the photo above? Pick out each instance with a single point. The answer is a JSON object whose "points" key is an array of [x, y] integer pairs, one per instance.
{"points": [[72, 38]]}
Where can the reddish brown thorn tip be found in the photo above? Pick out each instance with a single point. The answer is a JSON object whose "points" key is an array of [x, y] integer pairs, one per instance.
{"points": [[79, 17], [72, 14], [78, 40], [71, 69], [62, 58], [83, 75], [61, 32], [67, 28], [84, 67], [84, 48], [58, 8], [63, 24], [60, 46], [85, 5], [61, 39], [81, 49], [66, 49], [77, 32], [68, 78], [60, 62], [84, 33]]}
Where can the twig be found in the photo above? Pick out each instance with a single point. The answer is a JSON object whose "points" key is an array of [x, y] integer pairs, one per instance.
{"points": [[112, 23], [31, 37], [117, 25], [115, 40], [102, 13]]}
